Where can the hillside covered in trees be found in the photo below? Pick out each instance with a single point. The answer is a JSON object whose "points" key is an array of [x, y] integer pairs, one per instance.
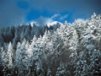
{"points": [[62, 49]]}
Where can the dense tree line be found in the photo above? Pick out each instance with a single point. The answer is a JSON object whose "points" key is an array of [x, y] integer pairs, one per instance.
{"points": [[60, 50]]}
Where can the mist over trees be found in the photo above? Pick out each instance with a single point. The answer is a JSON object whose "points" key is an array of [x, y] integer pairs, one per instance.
{"points": [[60, 50]]}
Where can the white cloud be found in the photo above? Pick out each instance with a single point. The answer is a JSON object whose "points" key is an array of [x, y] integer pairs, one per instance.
{"points": [[49, 21], [42, 21], [52, 23], [55, 16], [64, 17]]}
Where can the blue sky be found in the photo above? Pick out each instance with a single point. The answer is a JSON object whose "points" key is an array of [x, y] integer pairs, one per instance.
{"points": [[14, 12]]}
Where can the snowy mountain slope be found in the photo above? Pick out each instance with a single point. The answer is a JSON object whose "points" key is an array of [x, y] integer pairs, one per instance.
{"points": [[66, 50]]}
